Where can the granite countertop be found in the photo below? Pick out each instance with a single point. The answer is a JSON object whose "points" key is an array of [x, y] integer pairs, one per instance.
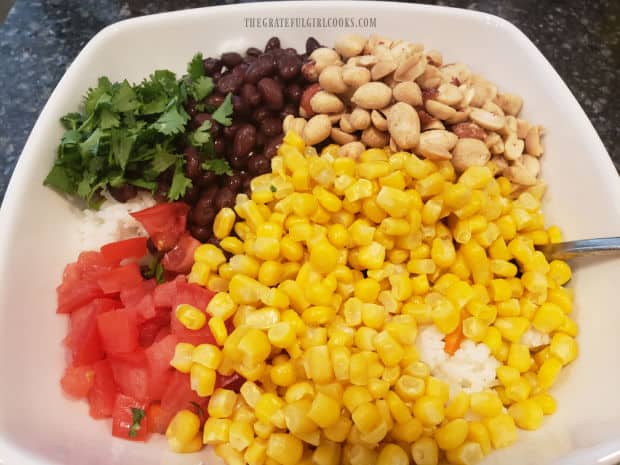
{"points": [[40, 38]]}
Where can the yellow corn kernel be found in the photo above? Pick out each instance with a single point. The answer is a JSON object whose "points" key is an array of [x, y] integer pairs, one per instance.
{"points": [[283, 374], [456, 196], [216, 431], [207, 355], [424, 451], [420, 285], [509, 308], [319, 367], [394, 202], [430, 185], [562, 297], [429, 410], [242, 290], [256, 452], [373, 315], [285, 449], [281, 334], [564, 347], [431, 211], [519, 357], [367, 290], [324, 411], [366, 417], [502, 430], [392, 454], [340, 358], [263, 430], [512, 328], [314, 336], [182, 429], [518, 390], [182, 359], [202, 379], [267, 248], [291, 249], [254, 346], [458, 405], [527, 414], [546, 402], [475, 329], [353, 396], [339, 431], [190, 316], [410, 387], [323, 256], [555, 234], [218, 329], [389, 350], [268, 409], [485, 403], [421, 266], [240, 435], [224, 222], [353, 311], [443, 252], [500, 290], [548, 317], [446, 316], [452, 434], [199, 274], [507, 375], [209, 254], [358, 370], [221, 403], [270, 273]]}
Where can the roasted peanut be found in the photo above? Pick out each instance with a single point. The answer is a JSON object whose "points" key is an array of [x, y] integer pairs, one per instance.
{"points": [[360, 119], [513, 147], [493, 108], [531, 164], [436, 144], [363, 60], [439, 110], [382, 69], [510, 103], [411, 68], [341, 137], [346, 124], [487, 120], [350, 45], [449, 94], [433, 125], [430, 78], [331, 79], [404, 125], [324, 102], [434, 57], [408, 92], [469, 152], [351, 150], [322, 58], [374, 138], [317, 129], [378, 120], [372, 96], [483, 90], [469, 130], [459, 117], [532, 142], [518, 174], [456, 73], [291, 123], [374, 41], [523, 128], [355, 76]]}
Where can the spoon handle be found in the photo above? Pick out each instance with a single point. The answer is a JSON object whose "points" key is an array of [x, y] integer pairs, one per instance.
{"points": [[585, 247]]}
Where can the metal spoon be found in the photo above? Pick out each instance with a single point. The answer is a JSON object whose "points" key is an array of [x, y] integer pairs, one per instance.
{"points": [[584, 247]]}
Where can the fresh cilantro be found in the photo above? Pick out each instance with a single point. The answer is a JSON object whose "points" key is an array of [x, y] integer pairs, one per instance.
{"points": [[129, 133], [272, 188], [218, 166], [223, 114], [137, 415], [180, 182]]}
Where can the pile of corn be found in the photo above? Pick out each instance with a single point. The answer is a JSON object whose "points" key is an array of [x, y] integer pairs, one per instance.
{"points": [[335, 263]]}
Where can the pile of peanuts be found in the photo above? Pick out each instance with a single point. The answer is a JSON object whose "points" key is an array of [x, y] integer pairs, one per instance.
{"points": [[377, 92]]}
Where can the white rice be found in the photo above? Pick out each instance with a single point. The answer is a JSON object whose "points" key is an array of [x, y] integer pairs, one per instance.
{"points": [[534, 338], [471, 369], [112, 221]]}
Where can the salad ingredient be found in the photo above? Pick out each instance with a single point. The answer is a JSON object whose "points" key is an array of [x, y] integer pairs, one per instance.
{"points": [[400, 265]]}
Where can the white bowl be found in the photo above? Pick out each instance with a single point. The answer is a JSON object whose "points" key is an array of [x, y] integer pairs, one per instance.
{"points": [[38, 228]]}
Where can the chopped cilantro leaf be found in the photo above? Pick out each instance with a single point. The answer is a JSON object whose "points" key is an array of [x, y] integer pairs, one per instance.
{"points": [[223, 114], [218, 166], [196, 68], [272, 188], [137, 415], [201, 88], [171, 122], [180, 182]]}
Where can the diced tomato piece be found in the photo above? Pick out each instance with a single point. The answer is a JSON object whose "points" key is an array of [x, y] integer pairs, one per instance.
{"points": [[123, 419], [77, 381], [118, 331], [131, 374], [152, 416], [149, 330], [158, 357], [164, 294], [177, 396], [115, 252], [195, 337], [120, 278], [165, 223], [181, 258], [232, 382], [74, 294], [131, 296], [102, 396], [193, 294], [83, 339]]}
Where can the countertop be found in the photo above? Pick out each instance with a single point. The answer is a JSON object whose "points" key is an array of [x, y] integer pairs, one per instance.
{"points": [[40, 38]]}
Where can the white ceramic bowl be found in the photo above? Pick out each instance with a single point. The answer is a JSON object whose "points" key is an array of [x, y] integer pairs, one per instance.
{"points": [[38, 227]]}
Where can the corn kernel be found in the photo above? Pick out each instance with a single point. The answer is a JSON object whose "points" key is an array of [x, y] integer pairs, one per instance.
{"points": [[209, 254], [221, 305], [285, 449], [424, 451], [325, 410], [202, 379], [429, 410], [216, 431], [190, 316], [452, 434], [182, 359], [182, 429], [527, 414]]}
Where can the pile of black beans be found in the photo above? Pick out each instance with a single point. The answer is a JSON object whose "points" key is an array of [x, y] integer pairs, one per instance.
{"points": [[266, 85]]}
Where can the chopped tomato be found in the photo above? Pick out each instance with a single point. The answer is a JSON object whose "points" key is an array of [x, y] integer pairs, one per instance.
{"points": [[131, 375], [102, 395], [118, 331], [115, 252], [144, 309], [83, 339], [93, 264], [193, 294], [74, 294], [177, 396], [181, 258], [164, 222], [152, 416], [193, 336], [164, 294], [125, 412], [131, 296], [120, 278], [150, 329], [158, 357], [77, 381]]}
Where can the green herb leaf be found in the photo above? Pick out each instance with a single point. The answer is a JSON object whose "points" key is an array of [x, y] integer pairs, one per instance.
{"points": [[137, 415], [59, 178], [195, 68], [180, 182], [171, 122], [201, 136], [218, 166], [163, 160], [201, 88], [121, 144], [272, 188], [160, 276], [223, 114]]}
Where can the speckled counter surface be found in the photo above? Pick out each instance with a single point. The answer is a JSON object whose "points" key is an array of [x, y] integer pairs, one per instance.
{"points": [[40, 38]]}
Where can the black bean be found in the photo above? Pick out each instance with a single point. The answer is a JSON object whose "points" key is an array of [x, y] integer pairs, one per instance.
{"points": [[202, 233], [229, 131], [291, 51], [289, 66], [272, 44], [212, 66], [229, 82], [245, 139], [207, 179], [240, 70], [247, 187], [124, 192], [311, 45], [260, 140], [271, 126], [208, 195], [216, 76], [258, 164], [250, 95], [253, 51], [293, 92], [219, 146], [225, 198], [233, 182], [271, 146], [289, 109], [213, 240], [200, 118], [192, 164], [263, 66], [214, 100], [202, 215], [271, 92], [190, 107], [260, 114], [240, 106], [237, 163], [192, 194], [249, 59], [231, 59]]}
